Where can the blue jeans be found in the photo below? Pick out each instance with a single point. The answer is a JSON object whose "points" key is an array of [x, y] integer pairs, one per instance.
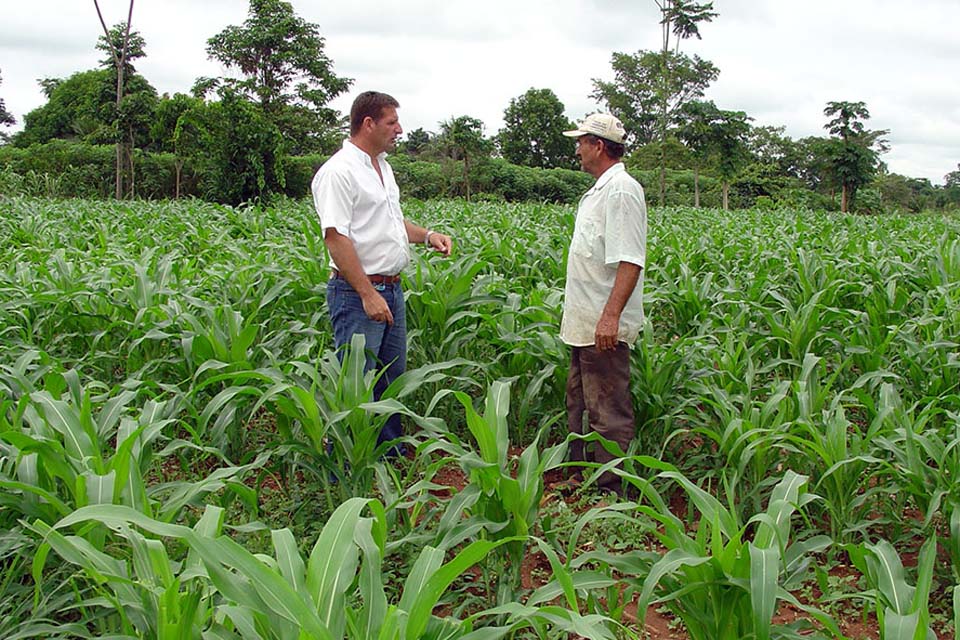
{"points": [[386, 344]]}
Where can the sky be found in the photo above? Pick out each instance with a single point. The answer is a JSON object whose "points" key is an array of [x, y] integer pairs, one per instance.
{"points": [[780, 61]]}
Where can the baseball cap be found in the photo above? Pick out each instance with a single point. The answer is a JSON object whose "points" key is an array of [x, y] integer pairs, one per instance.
{"points": [[602, 125]]}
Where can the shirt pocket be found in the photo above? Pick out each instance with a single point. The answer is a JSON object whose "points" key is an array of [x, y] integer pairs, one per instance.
{"points": [[588, 238]]}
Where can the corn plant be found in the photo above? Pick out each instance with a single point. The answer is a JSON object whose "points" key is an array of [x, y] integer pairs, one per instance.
{"points": [[902, 610], [336, 592], [925, 459], [498, 503], [327, 416], [719, 582], [77, 448]]}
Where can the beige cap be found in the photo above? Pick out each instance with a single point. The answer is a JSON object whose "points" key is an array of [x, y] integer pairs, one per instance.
{"points": [[602, 125]]}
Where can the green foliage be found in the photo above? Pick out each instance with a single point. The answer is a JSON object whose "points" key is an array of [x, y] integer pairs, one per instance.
{"points": [[462, 139], [645, 80], [682, 18], [118, 41], [240, 156], [77, 107], [777, 339], [724, 582], [853, 156], [902, 609], [533, 129], [285, 70], [84, 107], [64, 169]]}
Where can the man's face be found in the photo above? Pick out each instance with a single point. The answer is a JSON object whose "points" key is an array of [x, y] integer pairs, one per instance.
{"points": [[589, 150], [386, 130]]}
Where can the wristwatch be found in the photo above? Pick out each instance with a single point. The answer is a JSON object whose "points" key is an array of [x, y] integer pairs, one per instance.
{"points": [[426, 237]]}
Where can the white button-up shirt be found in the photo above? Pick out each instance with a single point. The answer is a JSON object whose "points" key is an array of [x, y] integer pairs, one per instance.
{"points": [[611, 228], [349, 197]]}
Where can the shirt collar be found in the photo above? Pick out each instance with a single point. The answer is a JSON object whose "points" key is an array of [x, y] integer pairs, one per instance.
{"points": [[607, 175], [360, 153]]}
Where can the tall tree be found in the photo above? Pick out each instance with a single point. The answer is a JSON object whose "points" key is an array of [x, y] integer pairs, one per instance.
{"points": [[462, 139], [853, 156], [533, 131], [172, 130], [649, 86], [695, 119], [118, 53], [285, 69], [681, 18], [728, 133], [716, 135], [6, 118]]}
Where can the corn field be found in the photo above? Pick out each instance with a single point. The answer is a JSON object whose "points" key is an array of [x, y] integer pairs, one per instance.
{"points": [[183, 454]]}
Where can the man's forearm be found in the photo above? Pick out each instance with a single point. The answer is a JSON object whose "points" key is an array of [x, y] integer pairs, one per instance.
{"points": [[626, 281], [415, 233]]}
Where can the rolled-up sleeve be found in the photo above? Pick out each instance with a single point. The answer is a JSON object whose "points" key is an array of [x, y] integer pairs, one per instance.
{"points": [[333, 201]]}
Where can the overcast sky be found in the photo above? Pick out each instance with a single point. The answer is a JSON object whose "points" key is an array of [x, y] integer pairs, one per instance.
{"points": [[781, 61]]}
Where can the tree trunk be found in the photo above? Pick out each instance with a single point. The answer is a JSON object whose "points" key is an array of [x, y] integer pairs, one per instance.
{"points": [[131, 175], [696, 187], [177, 167], [119, 59], [466, 174], [726, 194], [843, 200]]}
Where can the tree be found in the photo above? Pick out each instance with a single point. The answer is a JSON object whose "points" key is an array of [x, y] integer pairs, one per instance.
{"points": [[949, 194], [533, 131], [681, 18], [82, 107], [649, 88], [952, 179], [6, 118], [461, 138], [904, 193], [769, 146], [174, 131], [717, 135], [695, 119], [728, 139], [286, 71], [853, 156], [416, 143], [119, 50], [237, 148]]}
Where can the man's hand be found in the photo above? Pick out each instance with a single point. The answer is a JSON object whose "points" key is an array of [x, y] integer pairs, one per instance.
{"points": [[440, 242], [376, 307], [605, 335]]}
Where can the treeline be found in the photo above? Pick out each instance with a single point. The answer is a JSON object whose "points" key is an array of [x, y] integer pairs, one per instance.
{"points": [[264, 131]]}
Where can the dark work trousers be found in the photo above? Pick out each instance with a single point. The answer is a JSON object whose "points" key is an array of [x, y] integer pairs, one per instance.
{"points": [[599, 386]]}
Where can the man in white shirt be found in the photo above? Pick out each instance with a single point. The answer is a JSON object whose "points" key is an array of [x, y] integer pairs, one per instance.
{"points": [[357, 199], [603, 300]]}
